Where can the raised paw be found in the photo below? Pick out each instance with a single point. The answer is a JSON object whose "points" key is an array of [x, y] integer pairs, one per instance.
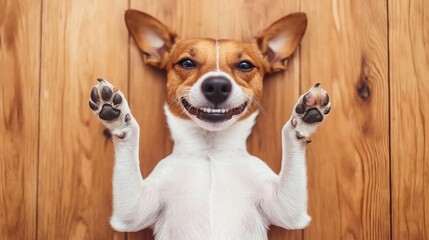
{"points": [[109, 104], [311, 109]]}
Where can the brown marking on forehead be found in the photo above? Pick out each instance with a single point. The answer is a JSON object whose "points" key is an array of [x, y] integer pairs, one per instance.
{"points": [[193, 51], [240, 50], [192, 45], [199, 50]]}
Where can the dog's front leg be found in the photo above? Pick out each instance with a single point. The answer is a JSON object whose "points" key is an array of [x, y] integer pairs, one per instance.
{"points": [[135, 202], [286, 202]]}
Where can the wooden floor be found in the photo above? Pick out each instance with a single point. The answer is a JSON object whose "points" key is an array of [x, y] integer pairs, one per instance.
{"points": [[368, 165]]}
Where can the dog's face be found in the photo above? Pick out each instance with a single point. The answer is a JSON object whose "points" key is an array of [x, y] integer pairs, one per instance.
{"points": [[215, 82]]}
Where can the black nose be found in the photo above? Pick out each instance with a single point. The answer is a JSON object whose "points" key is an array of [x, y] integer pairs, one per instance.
{"points": [[216, 89]]}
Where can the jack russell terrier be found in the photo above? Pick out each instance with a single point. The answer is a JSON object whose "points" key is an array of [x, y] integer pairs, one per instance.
{"points": [[210, 187]]}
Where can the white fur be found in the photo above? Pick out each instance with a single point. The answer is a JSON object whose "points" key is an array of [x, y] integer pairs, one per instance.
{"points": [[210, 187], [217, 55]]}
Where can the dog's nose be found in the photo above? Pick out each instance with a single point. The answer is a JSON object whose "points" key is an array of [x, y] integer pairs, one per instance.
{"points": [[216, 89]]}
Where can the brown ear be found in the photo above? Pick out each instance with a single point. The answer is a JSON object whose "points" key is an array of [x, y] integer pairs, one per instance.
{"points": [[154, 38], [279, 41]]}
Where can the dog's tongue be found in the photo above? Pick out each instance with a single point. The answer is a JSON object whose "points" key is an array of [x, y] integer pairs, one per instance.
{"points": [[214, 117]]}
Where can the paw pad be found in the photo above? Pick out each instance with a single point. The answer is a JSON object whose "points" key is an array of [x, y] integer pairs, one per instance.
{"points": [[109, 113], [117, 99], [312, 115], [106, 93], [106, 100], [312, 104], [310, 110], [94, 95]]}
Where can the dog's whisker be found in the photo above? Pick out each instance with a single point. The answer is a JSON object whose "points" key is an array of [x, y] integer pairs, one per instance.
{"points": [[254, 100], [183, 93], [259, 106]]}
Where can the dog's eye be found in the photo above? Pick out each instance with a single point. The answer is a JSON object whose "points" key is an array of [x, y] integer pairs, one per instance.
{"points": [[245, 66], [186, 63]]}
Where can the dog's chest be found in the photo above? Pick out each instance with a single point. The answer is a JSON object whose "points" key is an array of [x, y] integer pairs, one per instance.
{"points": [[211, 195]]}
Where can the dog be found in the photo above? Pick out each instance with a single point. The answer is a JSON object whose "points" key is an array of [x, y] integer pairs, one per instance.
{"points": [[210, 187]]}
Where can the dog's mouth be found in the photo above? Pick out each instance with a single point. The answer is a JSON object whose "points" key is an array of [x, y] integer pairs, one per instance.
{"points": [[213, 114]]}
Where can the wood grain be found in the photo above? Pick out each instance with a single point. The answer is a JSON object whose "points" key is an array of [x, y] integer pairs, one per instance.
{"points": [[82, 40], [409, 85], [348, 160], [19, 109], [56, 166]]}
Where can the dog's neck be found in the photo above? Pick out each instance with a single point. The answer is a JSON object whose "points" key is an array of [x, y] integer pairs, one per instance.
{"points": [[191, 139]]}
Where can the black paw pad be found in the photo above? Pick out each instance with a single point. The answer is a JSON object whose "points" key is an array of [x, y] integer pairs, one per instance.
{"points": [[312, 115], [327, 110], [117, 99], [93, 106], [325, 100], [109, 113], [106, 93], [300, 108], [94, 95]]}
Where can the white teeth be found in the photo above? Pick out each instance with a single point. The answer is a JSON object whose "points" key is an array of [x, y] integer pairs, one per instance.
{"points": [[210, 110]]}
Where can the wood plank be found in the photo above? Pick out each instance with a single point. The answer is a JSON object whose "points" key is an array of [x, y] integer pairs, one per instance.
{"points": [[409, 85], [348, 161], [215, 19], [82, 40], [19, 108]]}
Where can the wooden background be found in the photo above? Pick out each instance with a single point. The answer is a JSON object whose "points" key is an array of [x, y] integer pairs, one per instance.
{"points": [[368, 164]]}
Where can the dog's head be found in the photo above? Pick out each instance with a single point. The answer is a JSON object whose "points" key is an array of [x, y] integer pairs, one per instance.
{"points": [[215, 82]]}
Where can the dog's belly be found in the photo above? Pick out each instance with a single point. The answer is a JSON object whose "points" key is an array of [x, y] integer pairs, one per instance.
{"points": [[209, 200]]}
